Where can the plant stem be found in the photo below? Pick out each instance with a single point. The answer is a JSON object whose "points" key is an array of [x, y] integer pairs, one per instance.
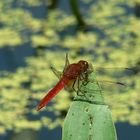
{"points": [[89, 118], [76, 12]]}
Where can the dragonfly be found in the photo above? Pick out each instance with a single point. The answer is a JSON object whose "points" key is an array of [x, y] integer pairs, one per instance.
{"points": [[72, 73]]}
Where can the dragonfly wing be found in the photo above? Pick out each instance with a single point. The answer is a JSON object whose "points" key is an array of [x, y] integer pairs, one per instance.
{"points": [[67, 63], [59, 73], [115, 78], [116, 72], [56, 72], [113, 86]]}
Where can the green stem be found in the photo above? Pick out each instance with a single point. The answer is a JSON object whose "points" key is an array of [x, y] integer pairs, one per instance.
{"points": [[89, 118], [76, 12], [53, 4], [137, 9]]}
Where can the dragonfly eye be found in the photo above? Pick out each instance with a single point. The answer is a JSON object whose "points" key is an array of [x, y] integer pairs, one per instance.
{"points": [[83, 64], [86, 63]]}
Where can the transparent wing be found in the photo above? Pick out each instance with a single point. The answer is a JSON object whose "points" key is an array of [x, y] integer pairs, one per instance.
{"points": [[113, 86], [114, 79], [59, 73], [56, 72], [117, 72], [67, 63]]}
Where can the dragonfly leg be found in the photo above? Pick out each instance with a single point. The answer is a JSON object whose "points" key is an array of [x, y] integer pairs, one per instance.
{"points": [[79, 92], [74, 85], [84, 77]]}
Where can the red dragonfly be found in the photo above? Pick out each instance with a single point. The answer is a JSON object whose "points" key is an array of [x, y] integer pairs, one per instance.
{"points": [[71, 73]]}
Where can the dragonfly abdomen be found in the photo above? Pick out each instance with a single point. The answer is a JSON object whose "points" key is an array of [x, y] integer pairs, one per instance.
{"points": [[59, 86]]}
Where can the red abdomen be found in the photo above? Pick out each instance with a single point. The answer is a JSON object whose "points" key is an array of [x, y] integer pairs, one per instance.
{"points": [[60, 85]]}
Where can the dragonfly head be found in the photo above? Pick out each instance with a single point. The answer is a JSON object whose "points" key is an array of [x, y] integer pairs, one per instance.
{"points": [[84, 65]]}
